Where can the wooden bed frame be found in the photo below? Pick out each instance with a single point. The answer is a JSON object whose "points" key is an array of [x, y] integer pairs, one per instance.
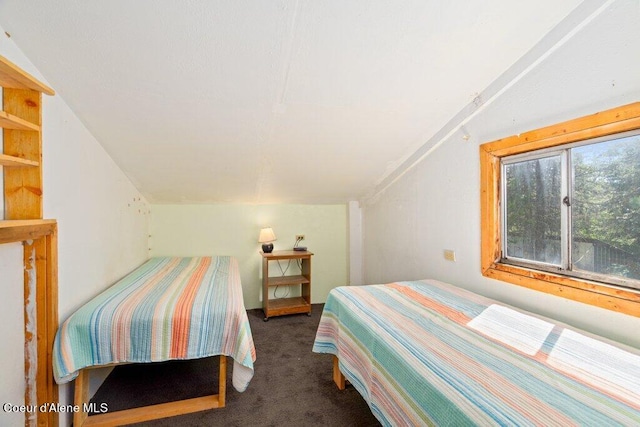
{"points": [[145, 413]]}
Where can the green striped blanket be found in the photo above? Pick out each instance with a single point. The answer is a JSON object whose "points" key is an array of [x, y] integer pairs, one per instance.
{"points": [[428, 353], [168, 308]]}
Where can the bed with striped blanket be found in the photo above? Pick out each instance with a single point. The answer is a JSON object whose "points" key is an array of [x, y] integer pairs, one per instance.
{"points": [[429, 353], [167, 309]]}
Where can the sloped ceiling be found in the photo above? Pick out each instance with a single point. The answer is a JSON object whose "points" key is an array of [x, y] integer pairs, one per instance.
{"points": [[284, 101]]}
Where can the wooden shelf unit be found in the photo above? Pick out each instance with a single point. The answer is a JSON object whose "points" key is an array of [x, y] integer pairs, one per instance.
{"points": [[21, 157], [282, 306], [21, 164]]}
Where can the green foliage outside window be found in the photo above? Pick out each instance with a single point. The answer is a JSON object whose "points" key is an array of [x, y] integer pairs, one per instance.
{"points": [[604, 198]]}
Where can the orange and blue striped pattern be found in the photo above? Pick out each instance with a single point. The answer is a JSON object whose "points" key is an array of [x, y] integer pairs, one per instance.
{"points": [[166, 309], [406, 347]]}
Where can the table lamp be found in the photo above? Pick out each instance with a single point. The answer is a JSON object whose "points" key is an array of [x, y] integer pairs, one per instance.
{"points": [[266, 237]]}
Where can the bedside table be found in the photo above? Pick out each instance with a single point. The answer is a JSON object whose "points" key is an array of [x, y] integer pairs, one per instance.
{"points": [[282, 306]]}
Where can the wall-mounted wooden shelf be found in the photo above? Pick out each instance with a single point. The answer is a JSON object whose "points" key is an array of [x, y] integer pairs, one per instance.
{"points": [[21, 161], [9, 121], [15, 78], [12, 161]]}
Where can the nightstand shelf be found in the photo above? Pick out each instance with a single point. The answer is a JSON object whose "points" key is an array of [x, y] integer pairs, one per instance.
{"points": [[287, 280], [283, 306]]}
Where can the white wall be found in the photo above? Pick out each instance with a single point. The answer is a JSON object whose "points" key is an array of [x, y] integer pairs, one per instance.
{"points": [[355, 244], [227, 229], [102, 225], [436, 204]]}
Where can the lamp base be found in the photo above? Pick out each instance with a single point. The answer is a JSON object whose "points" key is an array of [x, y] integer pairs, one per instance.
{"points": [[267, 248]]}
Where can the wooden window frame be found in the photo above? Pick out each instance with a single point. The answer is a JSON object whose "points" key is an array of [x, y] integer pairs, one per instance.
{"points": [[609, 122]]}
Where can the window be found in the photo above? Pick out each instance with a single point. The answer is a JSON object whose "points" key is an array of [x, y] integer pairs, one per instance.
{"points": [[575, 211], [561, 209]]}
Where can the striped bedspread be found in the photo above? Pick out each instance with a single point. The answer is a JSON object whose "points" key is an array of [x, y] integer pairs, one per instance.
{"points": [[168, 308], [411, 352]]}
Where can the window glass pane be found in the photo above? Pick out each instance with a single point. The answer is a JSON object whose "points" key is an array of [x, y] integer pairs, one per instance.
{"points": [[533, 200], [606, 207]]}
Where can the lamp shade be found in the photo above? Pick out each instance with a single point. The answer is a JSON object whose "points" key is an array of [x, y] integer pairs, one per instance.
{"points": [[266, 235]]}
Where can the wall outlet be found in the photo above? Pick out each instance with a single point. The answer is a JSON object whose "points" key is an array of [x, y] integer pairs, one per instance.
{"points": [[450, 255], [299, 237]]}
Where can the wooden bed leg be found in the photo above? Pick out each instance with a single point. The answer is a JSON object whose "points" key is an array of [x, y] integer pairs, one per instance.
{"points": [[222, 381], [81, 397], [338, 378]]}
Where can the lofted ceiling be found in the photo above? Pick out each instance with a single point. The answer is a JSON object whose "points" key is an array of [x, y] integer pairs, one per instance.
{"points": [[281, 101]]}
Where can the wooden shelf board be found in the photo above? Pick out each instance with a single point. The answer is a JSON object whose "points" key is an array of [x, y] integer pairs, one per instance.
{"points": [[16, 161], [282, 306], [288, 280], [286, 255], [20, 230], [9, 121], [14, 77]]}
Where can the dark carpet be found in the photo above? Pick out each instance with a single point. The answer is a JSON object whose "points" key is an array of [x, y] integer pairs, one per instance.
{"points": [[292, 386]]}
